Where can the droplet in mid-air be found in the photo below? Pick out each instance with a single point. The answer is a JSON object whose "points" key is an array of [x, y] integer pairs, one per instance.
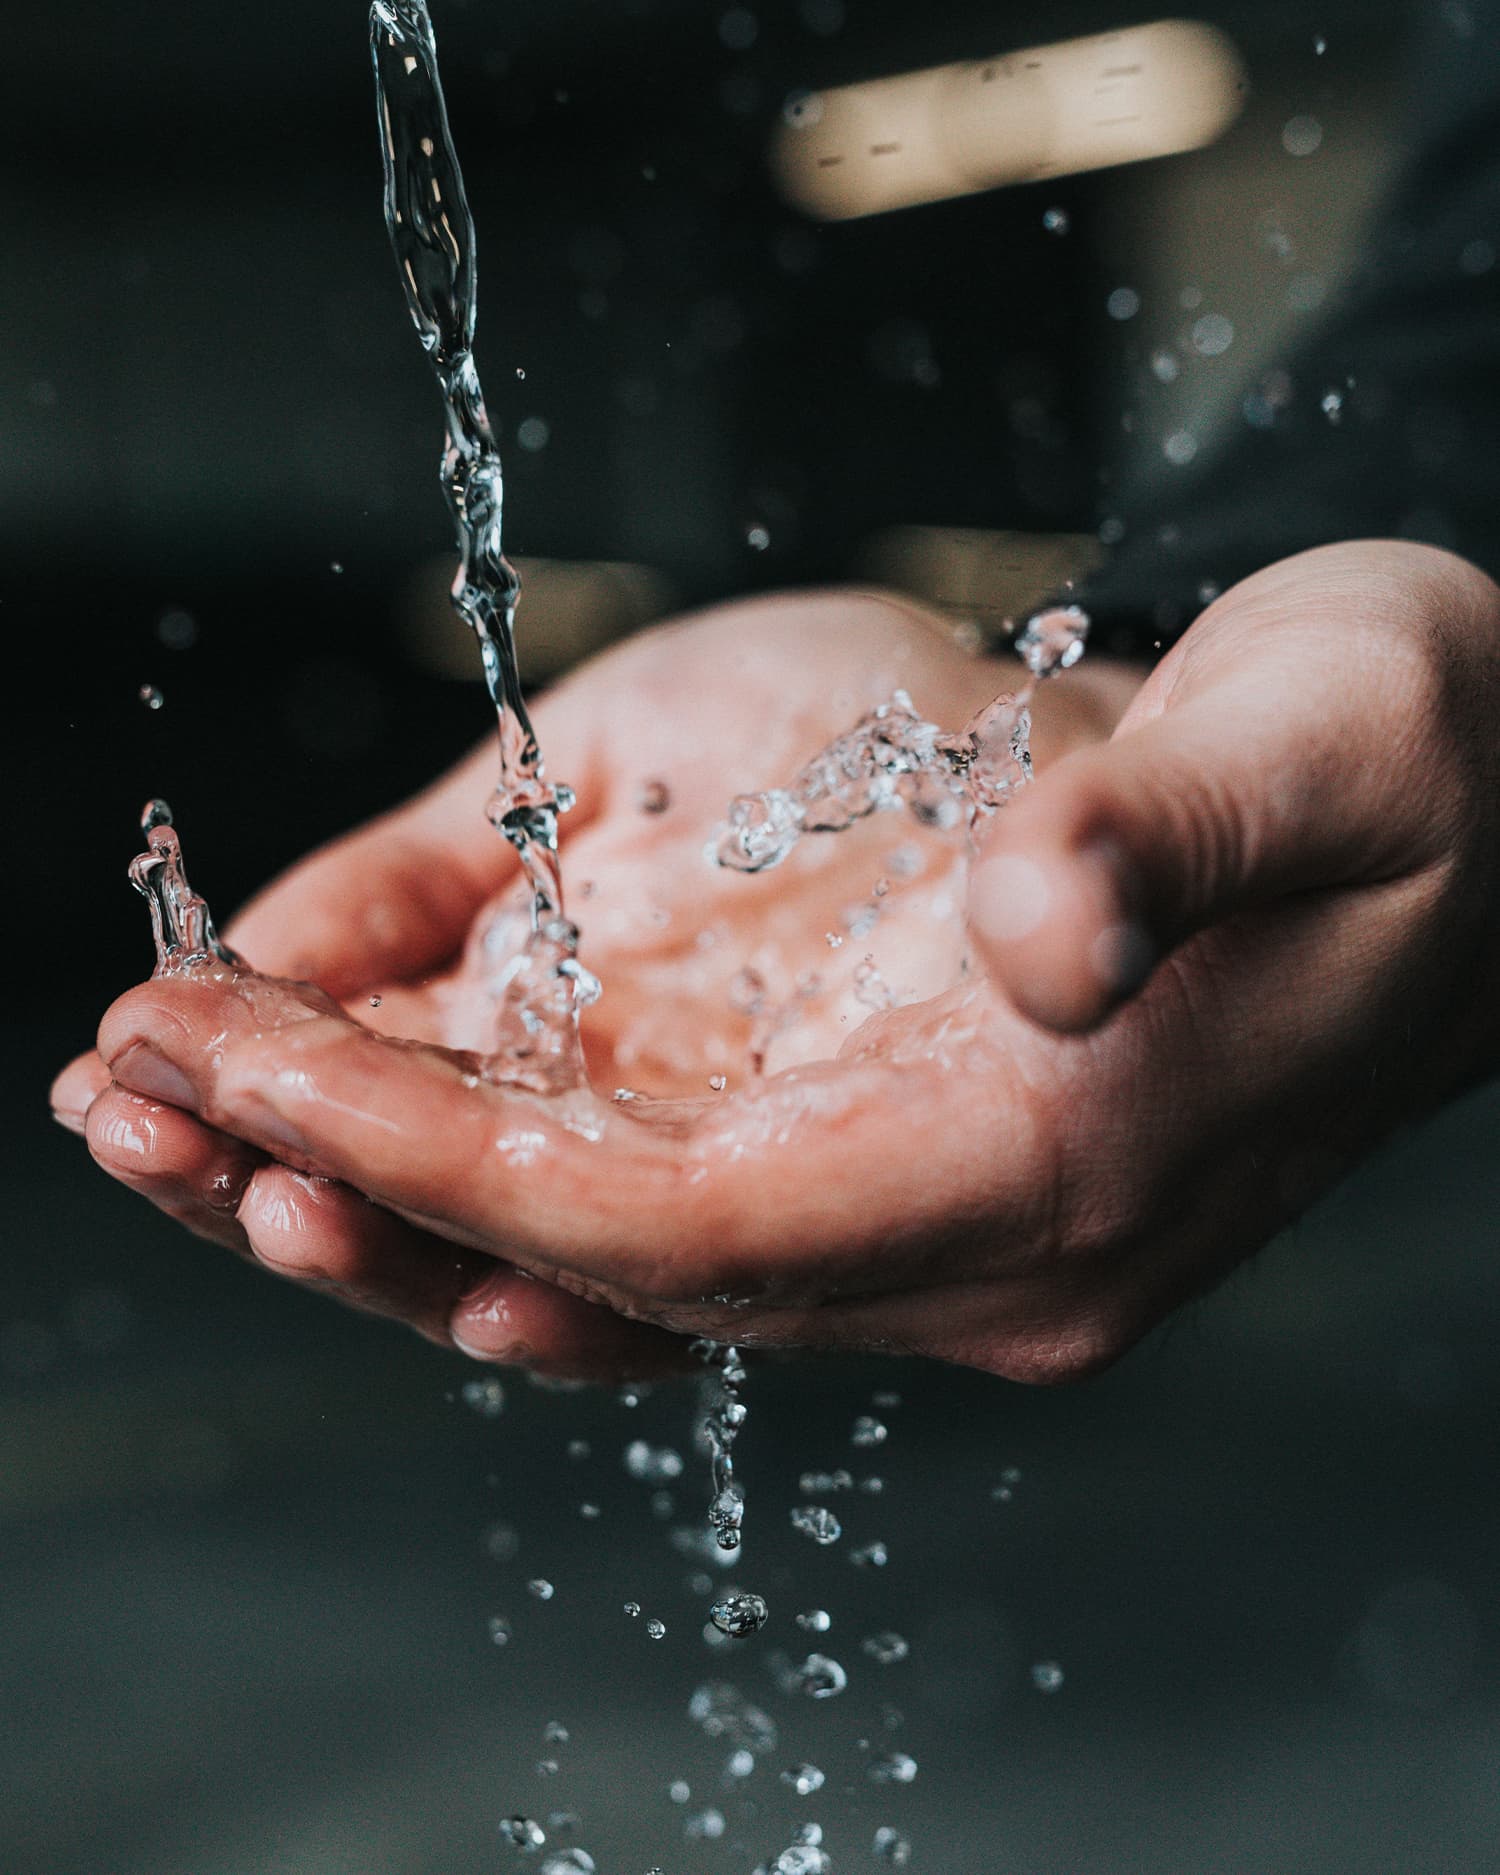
{"points": [[1054, 640], [898, 1768], [151, 696], [891, 1846], [818, 1522], [819, 1677], [541, 1588], [868, 1432], [886, 1649], [804, 1779], [739, 1614], [656, 1629], [1057, 221], [523, 1833], [1047, 1676]]}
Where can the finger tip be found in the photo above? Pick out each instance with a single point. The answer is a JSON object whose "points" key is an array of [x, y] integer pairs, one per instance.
{"points": [[1054, 929]]}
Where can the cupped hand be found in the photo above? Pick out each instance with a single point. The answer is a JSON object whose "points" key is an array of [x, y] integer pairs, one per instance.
{"points": [[1222, 954], [392, 920]]}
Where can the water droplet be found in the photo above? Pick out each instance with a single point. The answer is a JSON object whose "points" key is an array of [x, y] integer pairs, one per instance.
{"points": [[655, 797], [1046, 1676], [1332, 406], [569, 1862], [1180, 448], [656, 1629], [652, 1464], [738, 29], [151, 696], [718, 1082], [555, 1732], [757, 538], [897, 1768], [679, 1790], [521, 373], [872, 1556], [547, 1767], [706, 1826], [887, 1402], [868, 1432], [1057, 221], [533, 434], [499, 1629], [886, 1648], [1302, 136], [501, 1542], [579, 1449], [335, 566], [891, 1846], [376, 1001], [485, 1397], [590, 1512], [1165, 366], [1054, 640], [739, 1614], [802, 1859], [804, 1779], [633, 1609], [541, 1588], [819, 1677], [1124, 303], [1320, 45], [177, 630], [1213, 335], [524, 1833], [818, 1522], [815, 1620]]}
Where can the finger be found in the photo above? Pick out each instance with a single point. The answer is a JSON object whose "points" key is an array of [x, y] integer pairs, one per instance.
{"points": [[197, 1176], [1276, 775], [76, 1089], [789, 1188], [326, 1236], [512, 1318], [396, 897]]}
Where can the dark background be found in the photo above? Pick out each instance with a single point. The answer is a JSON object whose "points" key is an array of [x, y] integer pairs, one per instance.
{"points": [[245, 1587]]}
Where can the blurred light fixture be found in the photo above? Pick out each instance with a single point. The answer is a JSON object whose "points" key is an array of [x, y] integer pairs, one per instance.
{"points": [[978, 576], [1058, 110], [569, 609]]}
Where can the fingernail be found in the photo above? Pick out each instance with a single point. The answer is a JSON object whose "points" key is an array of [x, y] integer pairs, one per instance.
{"points": [[143, 1071], [509, 1354], [69, 1117]]}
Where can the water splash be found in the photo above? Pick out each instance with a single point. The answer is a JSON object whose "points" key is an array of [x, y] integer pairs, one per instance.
{"points": [[181, 922], [433, 238], [894, 759]]}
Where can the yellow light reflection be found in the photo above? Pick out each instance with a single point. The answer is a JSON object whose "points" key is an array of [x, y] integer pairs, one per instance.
{"points": [[953, 130]]}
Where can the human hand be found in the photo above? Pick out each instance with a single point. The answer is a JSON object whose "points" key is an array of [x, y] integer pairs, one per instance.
{"points": [[1025, 1172], [692, 712]]}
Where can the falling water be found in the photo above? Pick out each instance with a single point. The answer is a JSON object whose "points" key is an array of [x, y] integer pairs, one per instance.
{"points": [[432, 235]]}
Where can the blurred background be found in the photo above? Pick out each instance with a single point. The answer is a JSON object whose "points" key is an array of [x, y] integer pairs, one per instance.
{"points": [[251, 1548]]}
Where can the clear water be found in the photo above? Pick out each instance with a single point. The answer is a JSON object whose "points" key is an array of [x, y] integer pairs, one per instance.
{"points": [[433, 238]]}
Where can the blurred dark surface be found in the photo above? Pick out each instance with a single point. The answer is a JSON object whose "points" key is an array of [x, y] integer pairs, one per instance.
{"points": [[245, 1585]]}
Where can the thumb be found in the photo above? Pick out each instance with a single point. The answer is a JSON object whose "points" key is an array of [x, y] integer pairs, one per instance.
{"points": [[1244, 793]]}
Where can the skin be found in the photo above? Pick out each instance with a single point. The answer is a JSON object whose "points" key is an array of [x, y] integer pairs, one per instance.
{"points": [[1243, 926]]}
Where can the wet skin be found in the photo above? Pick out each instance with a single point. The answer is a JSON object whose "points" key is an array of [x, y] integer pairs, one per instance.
{"points": [[1243, 926]]}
